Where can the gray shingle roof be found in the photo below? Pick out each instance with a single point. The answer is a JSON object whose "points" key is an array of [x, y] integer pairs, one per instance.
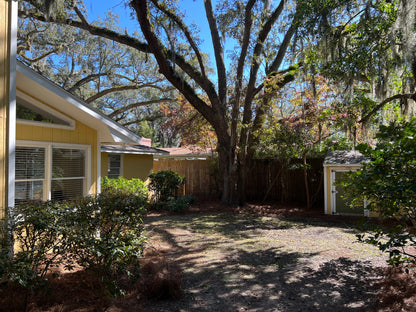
{"points": [[132, 149], [344, 158]]}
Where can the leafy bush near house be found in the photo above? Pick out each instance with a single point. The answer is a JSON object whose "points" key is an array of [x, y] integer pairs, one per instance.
{"points": [[39, 230], [107, 235], [101, 233], [128, 186], [388, 183], [165, 186]]}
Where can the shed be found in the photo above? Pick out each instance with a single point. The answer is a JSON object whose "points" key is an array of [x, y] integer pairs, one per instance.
{"points": [[336, 164]]}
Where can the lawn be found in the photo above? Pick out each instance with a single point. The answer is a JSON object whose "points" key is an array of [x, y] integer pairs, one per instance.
{"points": [[252, 262]]}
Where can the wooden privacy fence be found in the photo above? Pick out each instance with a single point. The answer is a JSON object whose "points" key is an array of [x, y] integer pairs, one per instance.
{"points": [[201, 181], [268, 179]]}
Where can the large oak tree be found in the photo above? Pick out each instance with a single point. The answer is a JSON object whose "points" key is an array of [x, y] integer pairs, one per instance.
{"points": [[235, 100]]}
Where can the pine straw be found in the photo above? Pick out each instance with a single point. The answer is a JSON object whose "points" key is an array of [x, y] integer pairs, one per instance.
{"points": [[397, 290], [81, 291]]}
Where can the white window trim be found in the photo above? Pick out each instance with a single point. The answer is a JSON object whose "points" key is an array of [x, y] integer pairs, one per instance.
{"points": [[48, 162], [31, 100]]}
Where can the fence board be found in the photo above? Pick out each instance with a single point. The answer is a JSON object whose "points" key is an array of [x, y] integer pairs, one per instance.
{"points": [[266, 179]]}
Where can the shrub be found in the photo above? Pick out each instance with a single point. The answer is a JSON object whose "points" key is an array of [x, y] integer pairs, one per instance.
{"points": [[101, 233], [165, 185], [127, 186], [107, 235], [180, 204], [39, 230], [388, 183]]}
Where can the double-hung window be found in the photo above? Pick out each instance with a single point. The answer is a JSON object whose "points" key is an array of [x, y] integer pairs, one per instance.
{"points": [[57, 172], [30, 173]]}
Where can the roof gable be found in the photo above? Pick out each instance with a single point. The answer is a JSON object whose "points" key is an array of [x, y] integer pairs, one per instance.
{"points": [[34, 84]]}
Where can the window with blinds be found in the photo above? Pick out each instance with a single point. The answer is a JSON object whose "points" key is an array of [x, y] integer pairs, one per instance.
{"points": [[30, 173], [68, 173], [40, 171], [114, 166]]}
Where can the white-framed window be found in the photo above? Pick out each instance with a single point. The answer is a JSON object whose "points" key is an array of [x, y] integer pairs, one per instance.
{"points": [[32, 112], [114, 165], [51, 171]]}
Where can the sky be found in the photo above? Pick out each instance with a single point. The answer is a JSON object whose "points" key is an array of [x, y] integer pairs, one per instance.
{"points": [[193, 9]]}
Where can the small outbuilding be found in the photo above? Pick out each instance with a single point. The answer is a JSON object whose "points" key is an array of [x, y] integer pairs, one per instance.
{"points": [[337, 164]]}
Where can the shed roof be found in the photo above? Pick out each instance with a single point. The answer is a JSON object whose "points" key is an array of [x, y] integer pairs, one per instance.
{"points": [[344, 158], [133, 149]]}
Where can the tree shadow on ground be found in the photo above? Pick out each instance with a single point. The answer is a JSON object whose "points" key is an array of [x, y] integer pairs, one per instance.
{"points": [[239, 225], [274, 281], [269, 279]]}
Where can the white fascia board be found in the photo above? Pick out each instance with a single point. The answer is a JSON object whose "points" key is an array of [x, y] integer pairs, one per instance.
{"points": [[111, 130], [12, 104]]}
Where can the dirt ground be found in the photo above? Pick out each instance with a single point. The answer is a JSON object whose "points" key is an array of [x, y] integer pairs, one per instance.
{"points": [[266, 259], [256, 258]]}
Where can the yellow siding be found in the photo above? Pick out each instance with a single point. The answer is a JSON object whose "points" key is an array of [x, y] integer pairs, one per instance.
{"points": [[137, 166], [104, 164], [4, 101], [82, 134], [133, 166]]}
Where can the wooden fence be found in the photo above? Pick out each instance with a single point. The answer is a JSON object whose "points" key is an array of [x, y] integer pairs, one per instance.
{"points": [[269, 179]]}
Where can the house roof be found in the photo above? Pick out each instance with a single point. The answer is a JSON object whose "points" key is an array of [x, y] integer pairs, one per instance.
{"points": [[132, 149], [344, 158], [34, 84], [189, 151]]}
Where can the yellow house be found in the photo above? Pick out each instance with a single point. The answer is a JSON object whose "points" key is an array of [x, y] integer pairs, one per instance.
{"points": [[128, 161], [336, 164], [58, 141]]}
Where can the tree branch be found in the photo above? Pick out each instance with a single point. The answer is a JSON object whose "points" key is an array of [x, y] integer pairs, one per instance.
{"points": [[186, 32], [219, 54], [248, 22], [111, 90], [138, 104], [162, 58], [408, 96]]}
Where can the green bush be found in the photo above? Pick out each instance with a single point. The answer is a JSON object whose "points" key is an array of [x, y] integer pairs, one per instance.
{"points": [[40, 232], [129, 186], [101, 233], [165, 185], [180, 204], [388, 183]]}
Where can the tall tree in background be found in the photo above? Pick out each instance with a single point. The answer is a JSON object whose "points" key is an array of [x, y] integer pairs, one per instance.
{"points": [[234, 102], [120, 81], [370, 54], [271, 39]]}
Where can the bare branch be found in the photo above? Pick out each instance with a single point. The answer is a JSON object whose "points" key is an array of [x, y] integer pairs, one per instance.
{"points": [[85, 80], [111, 90], [40, 57], [219, 53], [162, 58], [186, 32], [248, 22]]}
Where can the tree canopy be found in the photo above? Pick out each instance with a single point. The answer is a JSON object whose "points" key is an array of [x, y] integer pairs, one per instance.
{"points": [[362, 46]]}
